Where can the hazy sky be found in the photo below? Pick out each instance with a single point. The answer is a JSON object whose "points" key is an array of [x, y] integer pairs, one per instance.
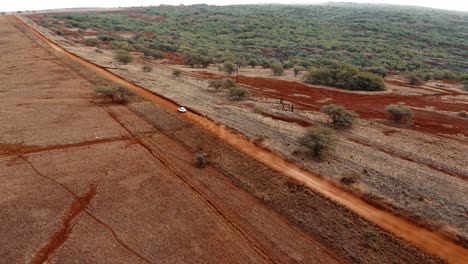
{"points": [[14, 5]]}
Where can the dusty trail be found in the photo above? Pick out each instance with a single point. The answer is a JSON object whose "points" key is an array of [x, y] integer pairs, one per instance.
{"points": [[429, 241]]}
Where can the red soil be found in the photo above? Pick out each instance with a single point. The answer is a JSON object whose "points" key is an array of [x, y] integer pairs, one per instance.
{"points": [[366, 105], [173, 58]]}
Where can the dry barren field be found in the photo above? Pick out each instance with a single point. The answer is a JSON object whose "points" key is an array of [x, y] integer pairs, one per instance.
{"points": [[89, 181]]}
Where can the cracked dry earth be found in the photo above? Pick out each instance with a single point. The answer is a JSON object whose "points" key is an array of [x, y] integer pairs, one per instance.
{"points": [[84, 182]]}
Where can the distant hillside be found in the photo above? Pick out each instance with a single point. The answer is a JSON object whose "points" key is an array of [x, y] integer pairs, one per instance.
{"points": [[396, 37]]}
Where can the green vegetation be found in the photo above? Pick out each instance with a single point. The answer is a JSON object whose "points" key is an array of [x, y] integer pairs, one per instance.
{"points": [[317, 140], [229, 67], [395, 38], [345, 77], [113, 92], [238, 93], [147, 68], [124, 56], [201, 160], [177, 73], [92, 42], [400, 112], [277, 69], [341, 117], [297, 70]]}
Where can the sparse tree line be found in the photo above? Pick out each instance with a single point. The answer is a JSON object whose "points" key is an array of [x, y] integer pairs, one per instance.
{"points": [[318, 140]]}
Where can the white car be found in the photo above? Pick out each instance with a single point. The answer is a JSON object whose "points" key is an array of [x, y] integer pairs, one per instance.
{"points": [[182, 109]]}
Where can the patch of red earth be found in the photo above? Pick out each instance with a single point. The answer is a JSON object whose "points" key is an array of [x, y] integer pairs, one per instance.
{"points": [[144, 17], [173, 58], [266, 51], [300, 122], [450, 81], [366, 105]]}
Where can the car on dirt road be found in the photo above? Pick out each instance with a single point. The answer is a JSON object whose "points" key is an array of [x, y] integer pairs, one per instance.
{"points": [[182, 109]]}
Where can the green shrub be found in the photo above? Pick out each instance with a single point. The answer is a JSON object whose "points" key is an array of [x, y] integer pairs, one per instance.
{"points": [[238, 93], [365, 81], [114, 92], [317, 140], [297, 70], [277, 69], [176, 73], [92, 42], [122, 45], [345, 77], [201, 160], [147, 68], [400, 112], [229, 83], [216, 84], [341, 117], [229, 67], [415, 78], [379, 71], [444, 75], [123, 56], [252, 63], [154, 54]]}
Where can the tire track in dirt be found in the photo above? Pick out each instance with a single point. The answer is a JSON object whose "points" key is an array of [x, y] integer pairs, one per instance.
{"points": [[20, 149], [432, 242], [407, 158], [216, 208]]}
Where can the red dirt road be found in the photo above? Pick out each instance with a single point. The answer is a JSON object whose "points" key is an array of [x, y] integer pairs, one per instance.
{"points": [[431, 242], [84, 182]]}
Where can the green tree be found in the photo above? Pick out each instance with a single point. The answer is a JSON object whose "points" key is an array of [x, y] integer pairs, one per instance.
{"points": [[277, 69], [341, 117], [252, 63], [124, 56], [297, 70], [106, 91], [238, 93], [365, 81], [415, 78], [229, 67], [400, 112], [317, 140]]}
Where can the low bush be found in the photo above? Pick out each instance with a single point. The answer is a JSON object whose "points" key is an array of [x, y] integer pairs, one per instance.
{"points": [[201, 160], [238, 93], [400, 112], [147, 68], [176, 73], [216, 84], [123, 56], [114, 92], [317, 140], [277, 69], [92, 42], [341, 117], [345, 77]]}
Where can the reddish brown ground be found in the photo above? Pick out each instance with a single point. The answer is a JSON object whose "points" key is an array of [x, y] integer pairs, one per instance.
{"points": [[366, 105], [89, 182], [158, 147], [173, 58]]}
